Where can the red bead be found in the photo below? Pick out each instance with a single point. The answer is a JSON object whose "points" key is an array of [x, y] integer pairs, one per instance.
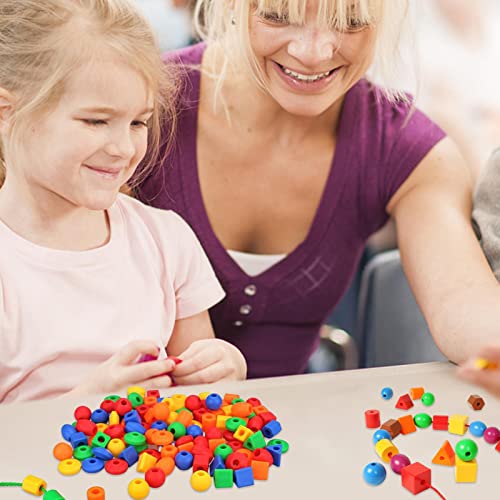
{"points": [[228, 435], [123, 406], [201, 462], [88, 427], [372, 419], [201, 440], [237, 461], [255, 423], [440, 422], [82, 412], [155, 393], [155, 477], [183, 440], [115, 431], [142, 410], [213, 433], [198, 414], [116, 466], [192, 402], [254, 401], [235, 444], [263, 455], [108, 405], [267, 416], [416, 477], [404, 402], [152, 452]]}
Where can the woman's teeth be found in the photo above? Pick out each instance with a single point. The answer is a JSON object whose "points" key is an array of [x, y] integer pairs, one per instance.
{"points": [[305, 78]]}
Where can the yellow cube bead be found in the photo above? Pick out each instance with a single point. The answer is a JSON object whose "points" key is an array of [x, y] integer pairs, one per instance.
{"points": [[221, 420], [146, 462], [201, 480], [114, 418], [69, 467], [138, 489], [457, 424], [465, 472], [138, 389], [34, 485], [386, 450], [226, 409], [116, 446], [242, 433]]}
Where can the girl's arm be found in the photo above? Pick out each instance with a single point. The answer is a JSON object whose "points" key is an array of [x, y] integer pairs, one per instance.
{"points": [[447, 270], [205, 359]]}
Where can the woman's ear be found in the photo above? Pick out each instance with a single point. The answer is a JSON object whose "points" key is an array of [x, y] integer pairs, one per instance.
{"points": [[6, 109]]}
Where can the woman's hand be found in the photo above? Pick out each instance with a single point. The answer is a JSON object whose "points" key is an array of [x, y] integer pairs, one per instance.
{"points": [[122, 370], [210, 360], [487, 378]]}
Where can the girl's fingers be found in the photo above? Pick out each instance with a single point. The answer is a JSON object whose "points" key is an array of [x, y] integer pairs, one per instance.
{"points": [[156, 382], [129, 375], [198, 362], [207, 375], [134, 349]]}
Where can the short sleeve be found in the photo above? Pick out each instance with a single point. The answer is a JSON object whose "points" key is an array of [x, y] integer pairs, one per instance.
{"points": [[486, 212], [195, 284]]}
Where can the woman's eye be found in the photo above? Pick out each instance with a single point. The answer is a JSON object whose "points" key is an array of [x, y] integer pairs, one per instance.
{"points": [[356, 25], [274, 17], [94, 122]]}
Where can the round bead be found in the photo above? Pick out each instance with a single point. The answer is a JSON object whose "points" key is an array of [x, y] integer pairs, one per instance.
{"points": [[123, 406], [177, 429], [201, 480], [466, 450], [381, 434], [193, 402], [99, 416], [69, 467], [372, 419], [184, 460], [387, 393], [138, 489], [422, 420], [194, 430], [477, 428], [155, 477], [284, 445], [136, 399], [374, 473], [92, 465], [213, 401], [492, 435], [88, 427], [116, 446], [223, 450], [95, 493], [116, 466], [108, 405], [398, 462], [115, 431], [62, 451], [135, 438], [82, 412], [83, 452], [428, 398]]}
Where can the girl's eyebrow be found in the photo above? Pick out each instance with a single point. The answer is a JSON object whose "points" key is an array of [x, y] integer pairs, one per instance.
{"points": [[108, 110]]}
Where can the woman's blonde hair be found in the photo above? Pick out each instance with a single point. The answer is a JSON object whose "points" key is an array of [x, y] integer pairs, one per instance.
{"points": [[226, 22], [42, 42]]}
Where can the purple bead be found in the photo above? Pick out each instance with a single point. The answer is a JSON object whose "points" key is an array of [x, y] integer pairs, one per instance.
{"points": [[492, 435], [399, 462]]}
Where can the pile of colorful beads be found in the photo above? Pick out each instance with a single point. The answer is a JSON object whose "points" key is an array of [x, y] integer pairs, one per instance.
{"points": [[225, 439]]}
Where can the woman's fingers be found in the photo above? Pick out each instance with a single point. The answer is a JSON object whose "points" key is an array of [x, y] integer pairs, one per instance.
{"points": [[199, 361], [156, 382], [207, 375]]}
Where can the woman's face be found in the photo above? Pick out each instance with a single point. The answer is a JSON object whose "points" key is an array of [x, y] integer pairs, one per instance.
{"points": [[307, 68]]}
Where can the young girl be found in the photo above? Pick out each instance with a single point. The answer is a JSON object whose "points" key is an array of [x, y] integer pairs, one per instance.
{"points": [[91, 279]]}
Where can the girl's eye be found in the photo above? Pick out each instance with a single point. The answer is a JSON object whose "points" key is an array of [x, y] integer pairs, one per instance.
{"points": [[94, 122], [275, 18], [138, 123]]}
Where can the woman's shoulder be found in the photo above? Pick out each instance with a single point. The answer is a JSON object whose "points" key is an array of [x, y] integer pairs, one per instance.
{"points": [[186, 56]]}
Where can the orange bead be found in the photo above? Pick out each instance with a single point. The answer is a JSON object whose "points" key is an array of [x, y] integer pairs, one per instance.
{"points": [[228, 398], [241, 410], [169, 451], [208, 420], [260, 470], [166, 464], [162, 438], [95, 493], [247, 452], [186, 446], [62, 451], [161, 411], [185, 418]]}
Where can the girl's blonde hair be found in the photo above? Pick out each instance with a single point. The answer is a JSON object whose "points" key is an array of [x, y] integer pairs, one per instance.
{"points": [[42, 42], [226, 22]]}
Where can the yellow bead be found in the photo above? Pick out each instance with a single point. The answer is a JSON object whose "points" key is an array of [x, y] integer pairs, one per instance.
{"points": [[138, 389], [69, 467], [172, 417], [242, 433], [34, 485], [226, 409], [203, 395], [138, 489], [465, 472], [101, 427], [221, 420], [178, 400], [195, 422], [201, 480], [386, 450], [457, 424], [116, 446], [114, 418], [146, 462]]}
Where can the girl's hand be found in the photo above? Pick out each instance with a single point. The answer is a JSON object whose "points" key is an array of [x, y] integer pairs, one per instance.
{"points": [[210, 360], [122, 370], [488, 379]]}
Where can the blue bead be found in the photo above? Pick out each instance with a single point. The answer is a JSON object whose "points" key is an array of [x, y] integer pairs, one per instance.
{"points": [[217, 463], [78, 439], [184, 460], [387, 393], [159, 400], [135, 427], [477, 428], [99, 416], [132, 416], [213, 401], [243, 477], [67, 430], [160, 425], [194, 430], [381, 434], [102, 453], [374, 473], [271, 429], [276, 451], [92, 465], [130, 455]]}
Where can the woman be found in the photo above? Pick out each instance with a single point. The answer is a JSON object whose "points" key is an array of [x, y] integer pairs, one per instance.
{"points": [[287, 159]]}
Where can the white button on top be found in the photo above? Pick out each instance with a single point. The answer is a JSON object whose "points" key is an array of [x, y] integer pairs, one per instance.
{"points": [[250, 290], [238, 323], [246, 309]]}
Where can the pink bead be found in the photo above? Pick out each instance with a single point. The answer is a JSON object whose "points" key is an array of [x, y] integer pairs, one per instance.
{"points": [[492, 435], [399, 462]]}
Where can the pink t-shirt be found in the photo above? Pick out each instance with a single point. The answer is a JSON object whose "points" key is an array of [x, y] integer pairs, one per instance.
{"points": [[64, 312]]}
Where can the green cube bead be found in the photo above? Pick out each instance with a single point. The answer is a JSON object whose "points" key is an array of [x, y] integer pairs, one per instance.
{"points": [[256, 440], [223, 478], [53, 495], [101, 440]]}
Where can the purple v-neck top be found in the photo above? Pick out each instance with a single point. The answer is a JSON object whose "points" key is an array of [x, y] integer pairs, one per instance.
{"points": [[274, 317]]}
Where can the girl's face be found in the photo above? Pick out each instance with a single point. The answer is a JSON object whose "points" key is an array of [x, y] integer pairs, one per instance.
{"points": [[307, 68], [84, 149]]}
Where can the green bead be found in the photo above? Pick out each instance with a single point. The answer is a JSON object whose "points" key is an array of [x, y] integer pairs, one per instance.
{"points": [[466, 450], [233, 423], [82, 452], [53, 495], [100, 440], [223, 451], [284, 445], [141, 447], [177, 429], [237, 400], [135, 439], [136, 399], [256, 440], [113, 397], [422, 420], [223, 478], [183, 409], [428, 399], [251, 415]]}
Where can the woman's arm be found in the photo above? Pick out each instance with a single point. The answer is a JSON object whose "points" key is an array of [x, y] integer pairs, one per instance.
{"points": [[448, 272]]}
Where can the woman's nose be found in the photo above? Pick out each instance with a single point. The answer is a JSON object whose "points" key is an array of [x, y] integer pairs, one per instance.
{"points": [[313, 46]]}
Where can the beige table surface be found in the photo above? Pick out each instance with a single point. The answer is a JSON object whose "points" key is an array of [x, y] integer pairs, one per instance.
{"points": [[323, 420]]}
